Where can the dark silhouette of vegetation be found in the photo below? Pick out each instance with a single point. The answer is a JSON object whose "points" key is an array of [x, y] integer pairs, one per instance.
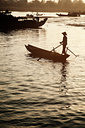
{"points": [[42, 6]]}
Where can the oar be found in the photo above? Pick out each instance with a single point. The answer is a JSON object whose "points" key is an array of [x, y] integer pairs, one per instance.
{"points": [[56, 47], [72, 52], [51, 50]]}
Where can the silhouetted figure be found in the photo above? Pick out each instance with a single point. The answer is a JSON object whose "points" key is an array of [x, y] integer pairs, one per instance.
{"points": [[7, 12], [36, 19], [64, 42]]}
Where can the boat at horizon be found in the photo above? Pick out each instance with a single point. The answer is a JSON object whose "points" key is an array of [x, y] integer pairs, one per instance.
{"points": [[70, 14]]}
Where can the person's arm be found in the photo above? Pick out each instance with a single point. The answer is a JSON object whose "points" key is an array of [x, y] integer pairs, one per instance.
{"points": [[61, 42]]}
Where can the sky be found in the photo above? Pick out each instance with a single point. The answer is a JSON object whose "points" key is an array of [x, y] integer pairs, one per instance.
{"points": [[84, 1]]}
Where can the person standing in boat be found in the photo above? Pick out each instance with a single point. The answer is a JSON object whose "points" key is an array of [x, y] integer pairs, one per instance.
{"points": [[64, 42]]}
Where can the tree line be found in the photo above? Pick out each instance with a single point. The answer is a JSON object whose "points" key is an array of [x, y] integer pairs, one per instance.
{"points": [[42, 6]]}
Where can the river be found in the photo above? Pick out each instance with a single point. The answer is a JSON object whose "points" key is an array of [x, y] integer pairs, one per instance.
{"points": [[43, 94]]}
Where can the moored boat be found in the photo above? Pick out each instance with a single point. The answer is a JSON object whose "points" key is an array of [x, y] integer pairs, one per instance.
{"points": [[10, 22], [50, 55], [70, 14]]}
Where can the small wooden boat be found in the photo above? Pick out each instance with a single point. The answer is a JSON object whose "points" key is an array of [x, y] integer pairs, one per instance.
{"points": [[10, 22], [50, 55]]}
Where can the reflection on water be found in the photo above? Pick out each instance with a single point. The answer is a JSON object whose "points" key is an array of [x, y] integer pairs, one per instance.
{"points": [[42, 94], [63, 85], [63, 72]]}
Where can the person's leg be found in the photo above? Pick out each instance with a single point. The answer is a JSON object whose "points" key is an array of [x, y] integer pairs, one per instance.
{"points": [[63, 51]]}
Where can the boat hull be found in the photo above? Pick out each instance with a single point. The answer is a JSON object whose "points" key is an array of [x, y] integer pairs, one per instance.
{"points": [[41, 53], [9, 22], [70, 14]]}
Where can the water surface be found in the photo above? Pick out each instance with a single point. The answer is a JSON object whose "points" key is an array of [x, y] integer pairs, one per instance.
{"points": [[43, 94]]}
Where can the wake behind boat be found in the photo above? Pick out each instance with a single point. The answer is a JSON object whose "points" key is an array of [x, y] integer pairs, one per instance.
{"points": [[50, 55]]}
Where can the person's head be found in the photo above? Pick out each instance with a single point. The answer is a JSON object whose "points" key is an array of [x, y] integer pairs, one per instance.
{"points": [[64, 33]]}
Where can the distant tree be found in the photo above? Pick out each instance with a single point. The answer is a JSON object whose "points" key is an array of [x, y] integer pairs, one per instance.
{"points": [[42, 1], [23, 1], [36, 4], [75, 1], [80, 5], [65, 4], [59, 2], [80, 1], [43, 5], [50, 3]]}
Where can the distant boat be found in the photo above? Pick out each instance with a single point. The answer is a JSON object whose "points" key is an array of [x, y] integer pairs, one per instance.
{"points": [[70, 14], [29, 16], [9, 22], [82, 13], [50, 55]]}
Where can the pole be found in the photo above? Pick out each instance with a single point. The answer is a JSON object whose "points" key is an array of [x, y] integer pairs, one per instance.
{"points": [[71, 52], [56, 47]]}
